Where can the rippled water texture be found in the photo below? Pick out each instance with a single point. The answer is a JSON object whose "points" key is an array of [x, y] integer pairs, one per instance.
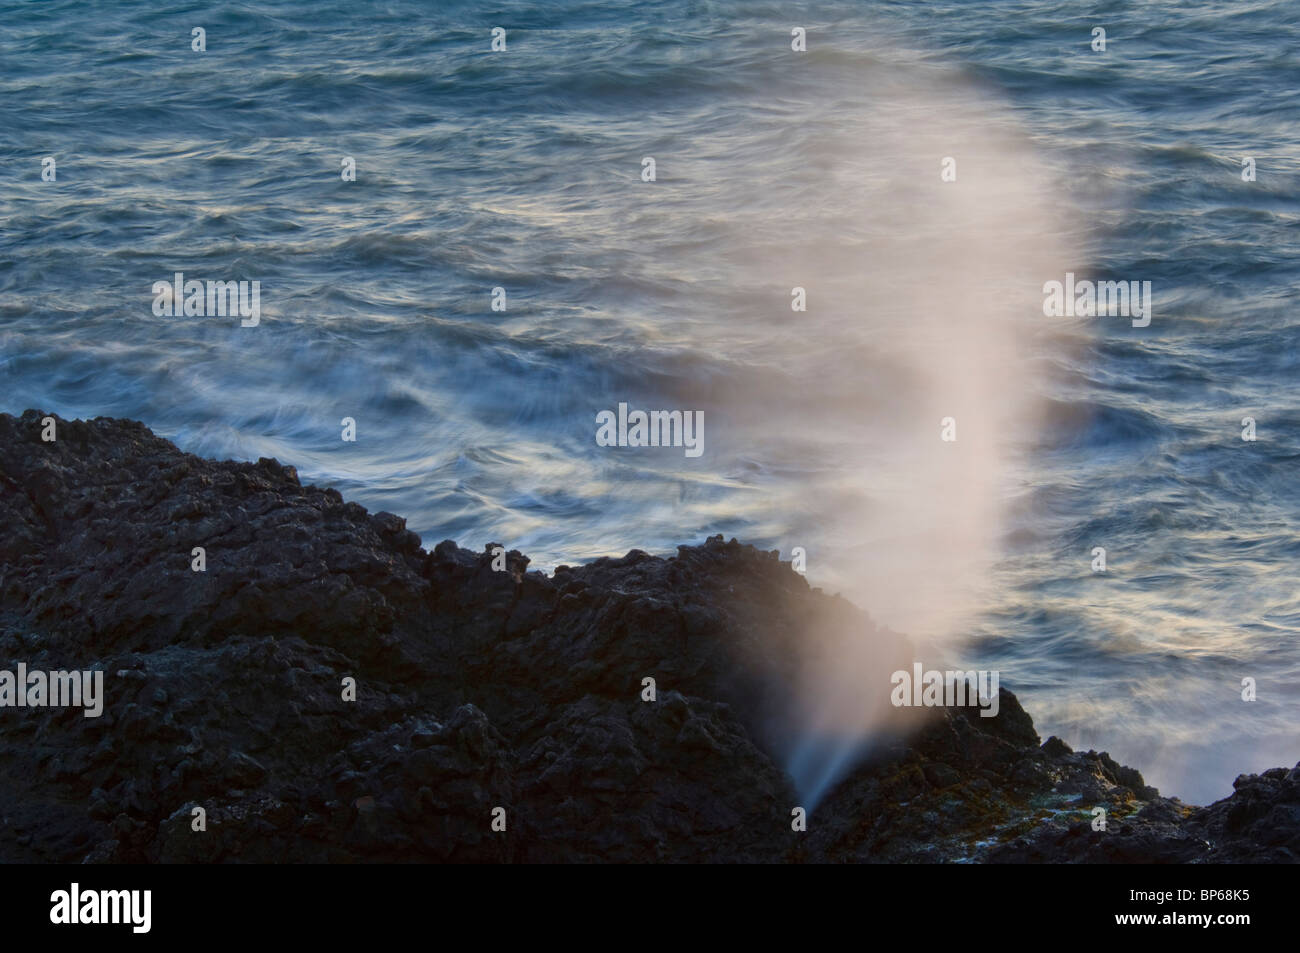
{"points": [[774, 169]]}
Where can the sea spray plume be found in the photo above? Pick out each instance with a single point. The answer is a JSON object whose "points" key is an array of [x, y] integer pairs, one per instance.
{"points": [[922, 229]]}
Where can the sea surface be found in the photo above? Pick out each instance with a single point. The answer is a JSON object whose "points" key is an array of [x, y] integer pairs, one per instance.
{"points": [[522, 169]]}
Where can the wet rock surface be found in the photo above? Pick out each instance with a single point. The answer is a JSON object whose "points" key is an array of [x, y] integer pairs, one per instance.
{"points": [[478, 685]]}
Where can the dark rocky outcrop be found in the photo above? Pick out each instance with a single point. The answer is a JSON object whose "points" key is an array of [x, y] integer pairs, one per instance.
{"points": [[476, 689]]}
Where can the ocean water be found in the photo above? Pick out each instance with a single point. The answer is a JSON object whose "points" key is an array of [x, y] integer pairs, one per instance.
{"points": [[522, 169]]}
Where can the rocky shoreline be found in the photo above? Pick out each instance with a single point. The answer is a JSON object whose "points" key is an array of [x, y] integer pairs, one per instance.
{"points": [[475, 689]]}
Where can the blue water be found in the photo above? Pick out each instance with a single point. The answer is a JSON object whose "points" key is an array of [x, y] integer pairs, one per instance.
{"points": [[522, 169]]}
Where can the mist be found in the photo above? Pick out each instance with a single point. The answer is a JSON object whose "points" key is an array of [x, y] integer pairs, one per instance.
{"points": [[924, 320]]}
